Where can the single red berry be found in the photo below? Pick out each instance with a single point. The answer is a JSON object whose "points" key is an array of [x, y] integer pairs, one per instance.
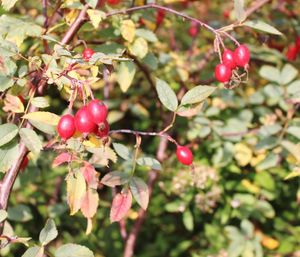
{"points": [[160, 15], [98, 111], [103, 129], [226, 14], [292, 52], [223, 72], [242, 55], [113, 2], [184, 155], [24, 163], [228, 58], [87, 54], [84, 121], [66, 126], [297, 42], [193, 30]]}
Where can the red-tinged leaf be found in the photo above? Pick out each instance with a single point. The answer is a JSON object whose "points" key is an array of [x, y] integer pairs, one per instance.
{"points": [[140, 192], [189, 111], [120, 206], [91, 176], [89, 203], [62, 158]]}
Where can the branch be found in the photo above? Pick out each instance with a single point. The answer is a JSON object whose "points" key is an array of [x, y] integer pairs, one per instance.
{"points": [[7, 183]]}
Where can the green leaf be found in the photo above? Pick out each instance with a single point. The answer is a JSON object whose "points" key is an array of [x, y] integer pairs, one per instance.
{"points": [[8, 4], [197, 94], [139, 48], [294, 149], [31, 140], [48, 129], [92, 3], [288, 73], [8, 155], [239, 10], [140, 191], [188, 220], [73, 250], [149, 162], [166, 95], [5, 83], [122, 151], [125, 75], [20, 213], [7, 133], [48, 233], [96, 16], [146, 34], [3, 215], [115, 178], [260, 25], [40, 102], [76, 188], [34, 251], [247, 228], [270, 73]]}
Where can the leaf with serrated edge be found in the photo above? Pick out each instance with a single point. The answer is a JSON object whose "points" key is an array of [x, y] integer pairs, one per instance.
{"points": [[197, 94], [120, 206], [166, 95], [149, 162], [48, 233], [73, 250], [44, 117], [115, 178], [7, 133], [76, 188], [31, 140], [140, 192]]}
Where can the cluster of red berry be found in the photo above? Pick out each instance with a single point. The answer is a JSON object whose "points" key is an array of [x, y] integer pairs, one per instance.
{"points": [[231, 60], [88, 119], [293, 50]]}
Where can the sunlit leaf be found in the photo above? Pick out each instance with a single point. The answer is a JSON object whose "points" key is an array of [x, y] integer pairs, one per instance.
{"points": [[34, 251], [239, 10], [7, 133], [43, 117], [166, 95], [197, 94], [125, 75], [122, 151], [128, 30], [140, 191], [260, 25], [48, 233], [120, 206], [73, 250], [115, 178], [89, 203], [31, 140]]}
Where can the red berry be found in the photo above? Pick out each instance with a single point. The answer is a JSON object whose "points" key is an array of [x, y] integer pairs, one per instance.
{"points": [[98, 111], [292, 52], [84, 121], [242, 55], [297, 42], [228, 58], [160, 15], [87, 54], [66, 126], [184, 155], [103, 129], [113, 2], [24, 163], [223, 72], [193, 30]]}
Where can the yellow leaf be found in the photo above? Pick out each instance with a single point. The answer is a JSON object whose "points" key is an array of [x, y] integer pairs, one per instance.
{"points": [[89, 203], [257, 159], [243, 154], [128, 30], [13, 104], [71, 16], [96, 17], [269, 242], [43, 117], [92, 142], [95, 71], [293, 174], [250, 186], [76, 188]]}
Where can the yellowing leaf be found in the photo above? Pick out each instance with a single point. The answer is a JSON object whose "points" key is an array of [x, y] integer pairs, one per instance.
{"points": [[71, 16], [92, 141], [96, 17], [13, 104], [89, 203], [76, 188], [139, 48], [293, 174], [250, 186], [269, 242], [102, 155], [43, 117], [128, 30], [243, 154], [125, 75]]}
